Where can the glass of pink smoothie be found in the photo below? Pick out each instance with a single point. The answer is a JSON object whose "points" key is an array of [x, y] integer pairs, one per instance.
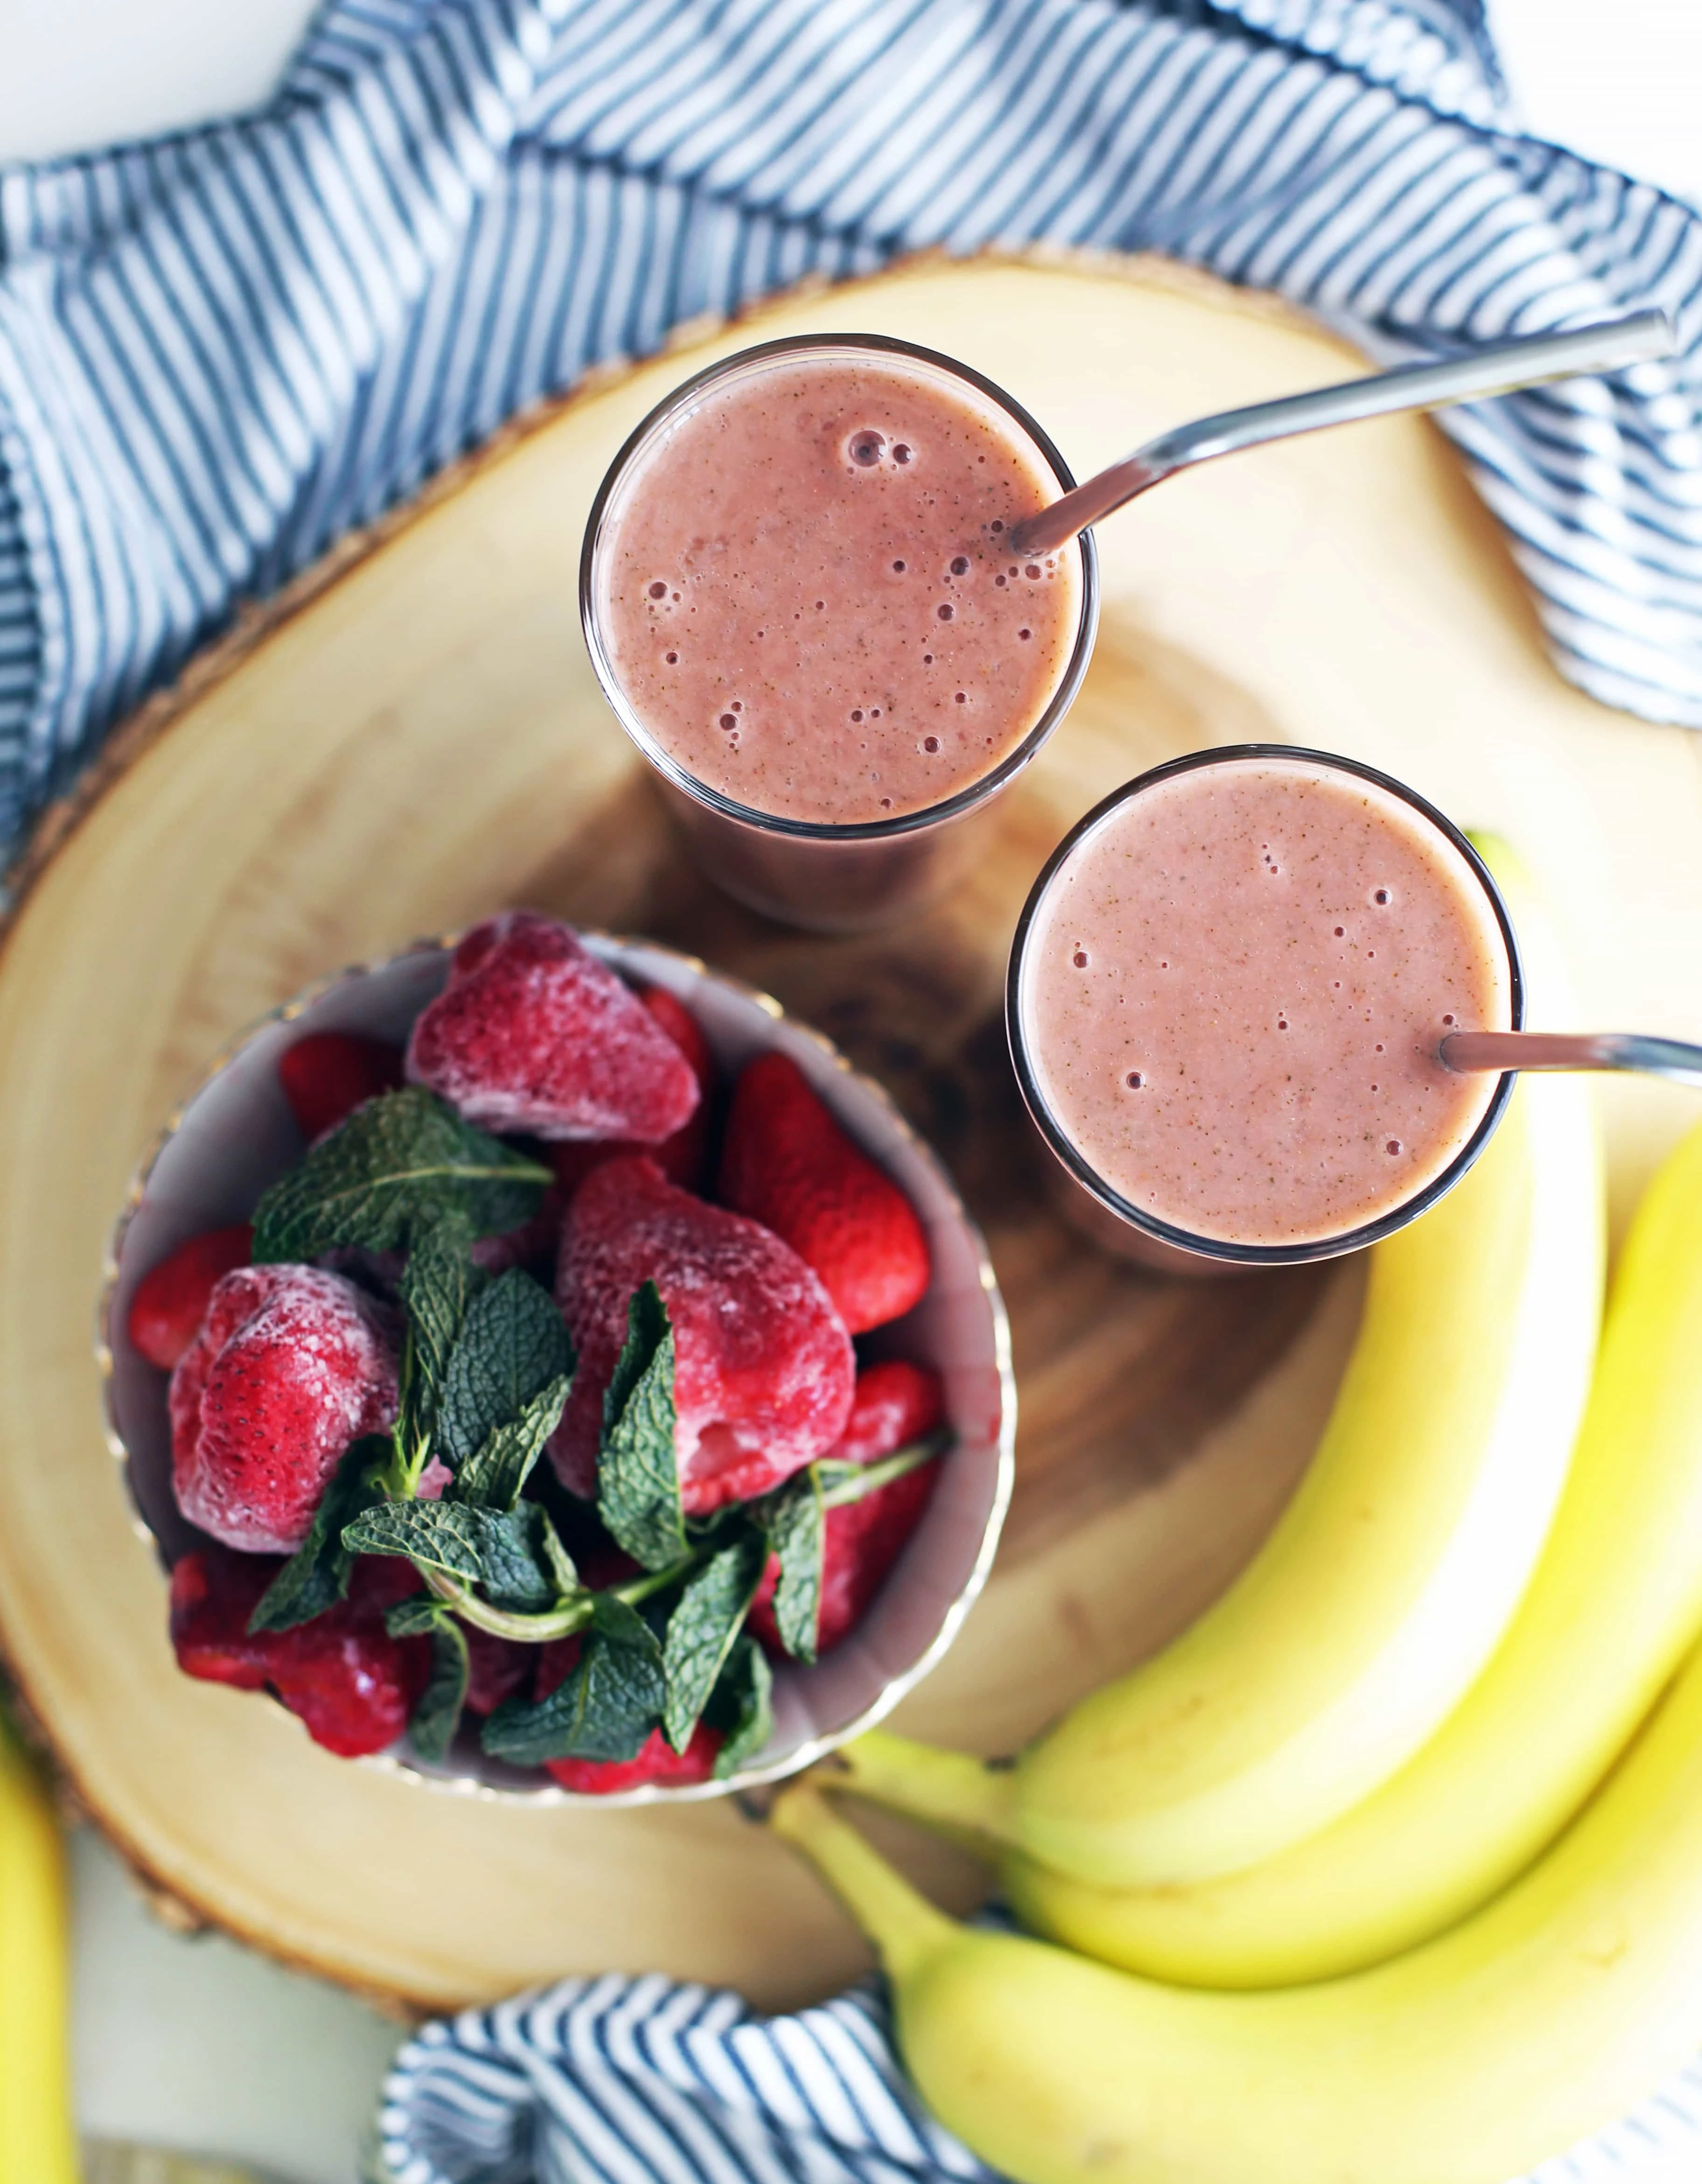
{"points": [[1226, 998], [798, 598]]}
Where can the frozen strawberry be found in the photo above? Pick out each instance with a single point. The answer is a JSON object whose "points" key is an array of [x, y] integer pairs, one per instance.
{"points": [[656, 1760], [171, 1299], [291, 1365], [763, 1367], [679, 1158], [497, 1668], [351, 1683], [328, 1074], [533, 1033], [788, 1163], [895, 1403]]}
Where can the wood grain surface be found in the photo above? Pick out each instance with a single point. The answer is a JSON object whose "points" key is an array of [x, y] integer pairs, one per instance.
{"points": [[413, 737]]}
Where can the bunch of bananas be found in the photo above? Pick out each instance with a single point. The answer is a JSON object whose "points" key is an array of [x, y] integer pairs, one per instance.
{"points": [[1392, 1863]]}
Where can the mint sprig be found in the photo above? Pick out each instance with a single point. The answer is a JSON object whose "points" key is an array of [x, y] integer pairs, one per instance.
{"points": [[637, 1471], [396, 1167], [795, 1520], [741, 1706], [437, 1715], [499, 1551], [437, 1288], [512, 1344], [707, 1617], [605, 1708]]}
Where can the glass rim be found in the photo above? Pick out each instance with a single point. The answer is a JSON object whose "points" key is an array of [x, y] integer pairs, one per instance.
{"points": [[1083, 1172], [965, 801]]}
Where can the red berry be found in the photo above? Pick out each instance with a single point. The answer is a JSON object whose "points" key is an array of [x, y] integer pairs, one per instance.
{"points": [[352, 1683], [171, 1299], [895, 1403], [497, 1668], [656, 1760], [328, 1074], [762, 1370], [679, 1158], [788, 1163], [533, 1033], [290, 1366]]}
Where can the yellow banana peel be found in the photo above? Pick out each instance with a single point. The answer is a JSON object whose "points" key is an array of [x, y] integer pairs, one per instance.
{"points": [[37, 2145]]}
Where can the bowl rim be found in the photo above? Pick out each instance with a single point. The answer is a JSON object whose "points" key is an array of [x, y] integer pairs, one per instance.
{"points": [[550, 1793]]}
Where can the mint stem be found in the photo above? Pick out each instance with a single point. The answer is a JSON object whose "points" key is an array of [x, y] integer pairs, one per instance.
{"points": [[860, 1480], [574, 1611]]}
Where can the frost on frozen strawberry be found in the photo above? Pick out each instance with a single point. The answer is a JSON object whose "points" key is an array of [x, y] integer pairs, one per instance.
{"points": [[787, 1162], [532, 1033], [763, 1366], [681, 1157], [290, 1366], [171, 1299]]}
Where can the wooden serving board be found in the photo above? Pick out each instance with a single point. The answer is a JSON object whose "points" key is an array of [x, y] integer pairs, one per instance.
{"points": [[411, 737]]}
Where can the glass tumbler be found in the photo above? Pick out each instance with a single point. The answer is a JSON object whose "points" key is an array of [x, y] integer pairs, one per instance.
{"points": [[823, 875], [1114, 1217]]}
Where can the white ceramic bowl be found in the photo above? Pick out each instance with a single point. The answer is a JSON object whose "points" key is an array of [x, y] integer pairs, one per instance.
{"points": [[235, 1134]]}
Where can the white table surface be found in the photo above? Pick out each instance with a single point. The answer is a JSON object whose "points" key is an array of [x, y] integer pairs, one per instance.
{"points": [[196, 2042]]}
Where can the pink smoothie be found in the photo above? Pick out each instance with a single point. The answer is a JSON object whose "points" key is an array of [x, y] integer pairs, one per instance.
{"points": [[1233, 994], [802, 588]]}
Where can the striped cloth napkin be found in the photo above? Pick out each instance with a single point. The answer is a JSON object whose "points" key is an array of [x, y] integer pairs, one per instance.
{"points": [[220, 349]]}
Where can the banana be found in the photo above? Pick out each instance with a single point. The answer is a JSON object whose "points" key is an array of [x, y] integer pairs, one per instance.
{"points": [[1616, 1601], [1385, 1586], [36, 2145], [1542, 2017]]}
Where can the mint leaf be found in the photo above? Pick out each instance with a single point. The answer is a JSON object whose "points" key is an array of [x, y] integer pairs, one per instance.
{"points": [[511, 1345], [420, 1611], [381, 1179], [621, 1623], [742, 1706], [316, 1576], [795, 1522], [637, 1473], [437, 1285], [492, 1479], [500, 1551], [605, 1709], [438, 1713], [702, 1629]]}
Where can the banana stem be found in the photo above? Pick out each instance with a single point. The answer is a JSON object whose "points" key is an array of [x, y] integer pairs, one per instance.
{"points": [[950, 1790], [905, 1928]]}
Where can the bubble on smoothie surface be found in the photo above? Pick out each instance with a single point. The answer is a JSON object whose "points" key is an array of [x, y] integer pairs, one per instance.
{"points": [[866, 447]]}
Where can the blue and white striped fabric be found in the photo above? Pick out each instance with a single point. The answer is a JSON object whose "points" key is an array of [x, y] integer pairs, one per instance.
{"points": [[221, 349], [640, 2082]]}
